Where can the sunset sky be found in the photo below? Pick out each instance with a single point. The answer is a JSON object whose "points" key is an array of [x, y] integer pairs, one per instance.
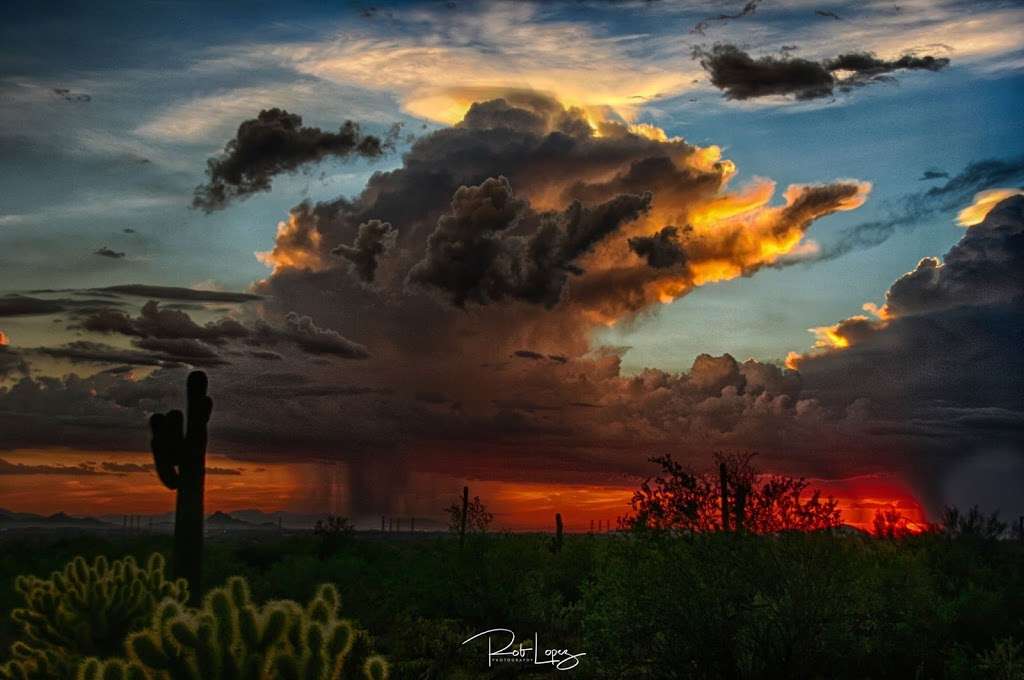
{"points": [[523, 246]]}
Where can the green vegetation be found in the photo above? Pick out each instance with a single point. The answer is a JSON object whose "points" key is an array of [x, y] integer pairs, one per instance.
{"points": [[829, 604]]}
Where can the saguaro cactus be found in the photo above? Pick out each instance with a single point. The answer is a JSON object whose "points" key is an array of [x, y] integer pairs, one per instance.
{"points": [[723, 478], [557, 545], [179, 452], [465, 515]]}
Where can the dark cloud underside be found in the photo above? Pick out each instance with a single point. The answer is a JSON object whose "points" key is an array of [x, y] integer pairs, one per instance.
{"points": [[742, 76], [276, 142]]}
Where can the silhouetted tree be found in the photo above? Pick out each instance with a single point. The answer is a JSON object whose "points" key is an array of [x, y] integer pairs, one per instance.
{"points": [[683, 500], [474, 518], [332, 531], [889, 522], [972, 524]]}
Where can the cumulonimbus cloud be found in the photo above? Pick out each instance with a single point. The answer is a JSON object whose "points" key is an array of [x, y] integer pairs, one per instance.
{"points": [[469, 366]]}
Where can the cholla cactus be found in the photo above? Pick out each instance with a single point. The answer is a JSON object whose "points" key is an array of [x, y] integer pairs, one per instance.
{"points": [[229, 638], [84, 610]]}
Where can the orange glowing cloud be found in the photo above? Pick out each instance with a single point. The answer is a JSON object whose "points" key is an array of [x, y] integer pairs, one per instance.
{"points": [[296, 246], [4, 341], [984, 201]]}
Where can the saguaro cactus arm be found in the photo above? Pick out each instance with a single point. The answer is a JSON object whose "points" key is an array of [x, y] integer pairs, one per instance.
{"points": [[167, 444]]}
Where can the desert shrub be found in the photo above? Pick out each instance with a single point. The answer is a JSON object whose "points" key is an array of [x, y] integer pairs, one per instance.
{"points": [[782, 606]]}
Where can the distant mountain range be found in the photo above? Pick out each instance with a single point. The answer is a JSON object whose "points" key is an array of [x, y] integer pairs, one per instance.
{"points": [[57, 519], [236, 520]]}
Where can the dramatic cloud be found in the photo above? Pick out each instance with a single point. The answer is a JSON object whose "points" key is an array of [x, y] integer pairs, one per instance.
{"points": [[947, 334], [154, 322], [908, 211], [983, 204], [515, 237], [742, 76], [471, 255], [372, 240], [172, 335], [273, 143], [107, 252], [984, 268]]}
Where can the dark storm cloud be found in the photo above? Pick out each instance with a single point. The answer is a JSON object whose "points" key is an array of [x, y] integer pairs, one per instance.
{"points": [[372, 240], [23, 305], [176, 293], [302, 332], [474, 255], [986, 267], [276, 142], [185, 350], [440, 386], [742, 76], [661, 250], [909, 210], [107, 252], [172, 336], [658, 174], [20, 305], [952, 332], [154, 322]]}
